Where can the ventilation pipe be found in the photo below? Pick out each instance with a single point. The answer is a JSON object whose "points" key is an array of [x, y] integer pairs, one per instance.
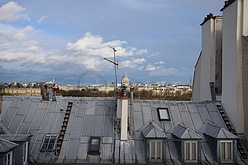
{"points": [[212, 90]]}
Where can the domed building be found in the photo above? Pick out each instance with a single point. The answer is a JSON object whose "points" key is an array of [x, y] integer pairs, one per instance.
{"points": [[125, 82]]}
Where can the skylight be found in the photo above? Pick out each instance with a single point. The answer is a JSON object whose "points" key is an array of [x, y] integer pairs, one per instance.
{"points": [[163, 114]]}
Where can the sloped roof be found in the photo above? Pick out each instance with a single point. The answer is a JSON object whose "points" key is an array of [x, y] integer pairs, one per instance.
{"points": [[96, 117], [152, 130], [16, 137], [182, 132], [217, 132], [6, 146]]}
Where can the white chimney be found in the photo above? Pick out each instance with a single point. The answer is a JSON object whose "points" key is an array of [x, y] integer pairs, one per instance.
{"points": [[124, 119]]}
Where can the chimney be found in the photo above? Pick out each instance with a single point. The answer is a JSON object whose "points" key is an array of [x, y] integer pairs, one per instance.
{"points": [[124, 119]]}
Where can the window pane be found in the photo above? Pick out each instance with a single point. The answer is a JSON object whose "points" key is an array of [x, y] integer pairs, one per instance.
{"points": [[229, 151], [95, 141], [194, 151], [187, 151], [222, 149], [152, 150], [163, 114], [226, 150], [159, 150]]}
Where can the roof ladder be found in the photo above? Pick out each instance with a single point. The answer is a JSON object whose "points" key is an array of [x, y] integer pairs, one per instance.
{"points": [[63, 130], [240, 145]]}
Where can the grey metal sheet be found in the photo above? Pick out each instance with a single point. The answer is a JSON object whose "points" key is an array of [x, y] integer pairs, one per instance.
{"points": [[117, 151], [16, 102], [172, 149], [217, 119], [147, 115], [129, 151], [43, 105], [138, 120], [5, 106], [76, 129], [98, 126], [166, 125], [107, 140], [175, 114], [24, 128], [72, 149], [204, 114], [137, 106], [211, 107], [57, 123], [9, 116], [99, 110], [206, 151], [106, 153], [38, 118], [108, 125], [24, 106], [146, 103], [51, 106], [155, 118], [140, 151], [90, 108], [31, 112], [182, 107], [46, 126], [187, 120], [63, 151], [196, 119], [16, 123], [82, 152], [192, 108], [87, 126]]}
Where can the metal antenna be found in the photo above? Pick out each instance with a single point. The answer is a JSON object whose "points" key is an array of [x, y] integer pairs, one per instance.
{"points": [[115, 65]]}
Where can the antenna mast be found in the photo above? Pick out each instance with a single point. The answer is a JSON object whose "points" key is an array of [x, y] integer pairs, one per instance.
{"points": [[115, 66]]}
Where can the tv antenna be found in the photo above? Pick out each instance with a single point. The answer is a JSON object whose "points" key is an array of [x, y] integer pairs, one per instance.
{"points": [[115, 65]]}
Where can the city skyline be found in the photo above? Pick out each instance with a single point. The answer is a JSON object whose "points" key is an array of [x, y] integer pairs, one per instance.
{"points": [[155, 41]]}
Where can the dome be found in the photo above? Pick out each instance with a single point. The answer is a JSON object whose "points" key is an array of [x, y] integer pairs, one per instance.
{"points": [[125, 80]]}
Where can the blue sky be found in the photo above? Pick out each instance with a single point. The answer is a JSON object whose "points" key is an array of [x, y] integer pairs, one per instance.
{"points": [[156, 41]]}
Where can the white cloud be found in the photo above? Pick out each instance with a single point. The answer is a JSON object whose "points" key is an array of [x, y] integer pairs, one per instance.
{"points": [[32, 48], [151, 67], [159, 62], [42, 19], [11, 12], [134, 64], [93, 45]]}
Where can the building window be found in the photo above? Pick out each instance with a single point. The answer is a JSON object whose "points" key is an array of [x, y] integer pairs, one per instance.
{"points": [[94, 145], [156, 147], [190, 151], [163, 114], [48, 143], [8, 158], [25, 152], [226, 151]]}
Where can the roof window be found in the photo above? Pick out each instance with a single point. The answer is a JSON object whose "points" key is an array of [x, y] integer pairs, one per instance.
{"points": [[48, 143], [163, 114], [94, 145]]}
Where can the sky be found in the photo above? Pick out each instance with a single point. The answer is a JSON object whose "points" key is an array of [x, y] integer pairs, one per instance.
{"points": [[156, 41]]}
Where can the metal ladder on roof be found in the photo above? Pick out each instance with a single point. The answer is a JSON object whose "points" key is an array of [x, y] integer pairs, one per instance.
{"points": [[240, 145], [63, 130]]}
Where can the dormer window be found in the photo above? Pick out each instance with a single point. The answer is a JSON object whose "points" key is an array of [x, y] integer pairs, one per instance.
{"points": [[190, 151], [226, 151], [163, 114], [156, 147], [49, 143], [94, 146]]}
